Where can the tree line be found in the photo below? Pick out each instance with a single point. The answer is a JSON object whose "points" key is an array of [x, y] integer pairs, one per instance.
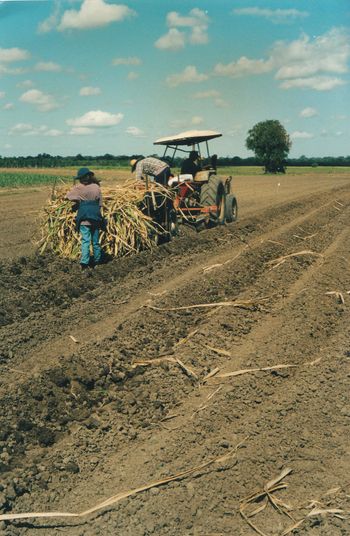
{"points": [[49, 161], [268, 140]]}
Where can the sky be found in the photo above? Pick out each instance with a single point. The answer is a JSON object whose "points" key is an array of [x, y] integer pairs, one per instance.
{"points": [[97, 76]]}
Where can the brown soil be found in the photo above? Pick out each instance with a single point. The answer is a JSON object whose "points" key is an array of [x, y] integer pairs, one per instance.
{"points": [[79, 423]]}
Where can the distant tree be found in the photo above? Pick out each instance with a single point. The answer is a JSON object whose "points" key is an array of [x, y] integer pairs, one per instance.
{"points": [[271, 144]]}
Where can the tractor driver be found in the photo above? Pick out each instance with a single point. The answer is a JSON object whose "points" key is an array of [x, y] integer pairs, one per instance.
{"points": [[191, 164], [159, 170]]}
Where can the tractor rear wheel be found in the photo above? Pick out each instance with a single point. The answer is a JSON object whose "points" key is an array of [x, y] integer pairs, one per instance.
{"points": [[231, 208], [213, 194]]}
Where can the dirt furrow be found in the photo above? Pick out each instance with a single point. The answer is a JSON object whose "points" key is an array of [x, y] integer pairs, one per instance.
{"points": [[64, 305], [93, 403]]}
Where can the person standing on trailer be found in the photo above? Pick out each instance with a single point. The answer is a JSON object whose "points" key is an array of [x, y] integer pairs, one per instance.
{"points": [[153, 167], [89, 218]]}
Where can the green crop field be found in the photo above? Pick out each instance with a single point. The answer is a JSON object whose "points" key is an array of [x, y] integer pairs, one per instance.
{"points": [[12, 178], [291, 170], [17, 180]]}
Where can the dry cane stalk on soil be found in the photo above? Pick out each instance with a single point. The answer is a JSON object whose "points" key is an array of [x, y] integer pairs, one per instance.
{"points": [[205, 405], [218, 265], [268, 498], [214, 373], [336, 512], [308, 237], [166, 359], [184, 340], [318, 509], [111, 501], [281, 260], [337, 294], [15, 370], [246, 304], [266, 494], [219, 351]]}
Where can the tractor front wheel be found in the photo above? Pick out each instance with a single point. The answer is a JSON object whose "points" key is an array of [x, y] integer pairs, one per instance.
{"points": [[231, 208]]}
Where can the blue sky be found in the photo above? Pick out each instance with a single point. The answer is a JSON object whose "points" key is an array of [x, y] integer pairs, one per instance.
{"points": [[97, 76]]}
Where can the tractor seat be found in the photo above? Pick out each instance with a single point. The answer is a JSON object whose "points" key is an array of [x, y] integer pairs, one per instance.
{"points": [[202, 176]]}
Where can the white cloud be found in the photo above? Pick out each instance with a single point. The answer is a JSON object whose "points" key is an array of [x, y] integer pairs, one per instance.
{"points": [[94, 14], [302, 135], [132, 75], [302, 63], [197, 120], [243, 67], [236, 130], [81, 131], [2, 94], [89, 90], [319, 83], [173, 40], [8, 146], [52, 21], [21, 128], [211, 93], [8, 106], [43, 101], [196, 17], [27, 129], [199, 36], [9, 55], [133, 60], [188, 75], [25, 83], [274, 15], [196, 23], [135, 131], [53, 132], [11, 70], [308, 112], [179, 123], [96, 118], [327, 53], [326, 134], [221, 103], [48, 66]]}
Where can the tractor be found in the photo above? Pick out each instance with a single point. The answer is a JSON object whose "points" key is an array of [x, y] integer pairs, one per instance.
{"points": [[201, 200]]}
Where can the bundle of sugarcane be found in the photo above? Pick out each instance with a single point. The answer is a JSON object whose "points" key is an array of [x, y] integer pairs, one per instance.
{"points": [[128, 228]]}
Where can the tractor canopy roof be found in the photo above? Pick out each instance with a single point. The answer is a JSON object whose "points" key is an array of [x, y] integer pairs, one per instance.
{"points": [[190, 137]]}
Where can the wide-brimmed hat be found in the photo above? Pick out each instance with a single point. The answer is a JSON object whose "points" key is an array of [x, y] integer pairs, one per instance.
{"points": [[82, 172], [133, 163]]}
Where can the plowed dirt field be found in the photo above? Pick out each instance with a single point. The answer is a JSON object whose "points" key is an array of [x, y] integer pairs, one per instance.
{"points": [[222, 357]]}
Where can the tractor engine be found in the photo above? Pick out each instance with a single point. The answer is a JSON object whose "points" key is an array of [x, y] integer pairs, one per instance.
{"points": [[188, 195]]}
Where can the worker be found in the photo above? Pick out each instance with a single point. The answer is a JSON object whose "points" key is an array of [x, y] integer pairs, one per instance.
{"points": [[153, 167], [214, 161], [89, 221], [191, 164]]}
